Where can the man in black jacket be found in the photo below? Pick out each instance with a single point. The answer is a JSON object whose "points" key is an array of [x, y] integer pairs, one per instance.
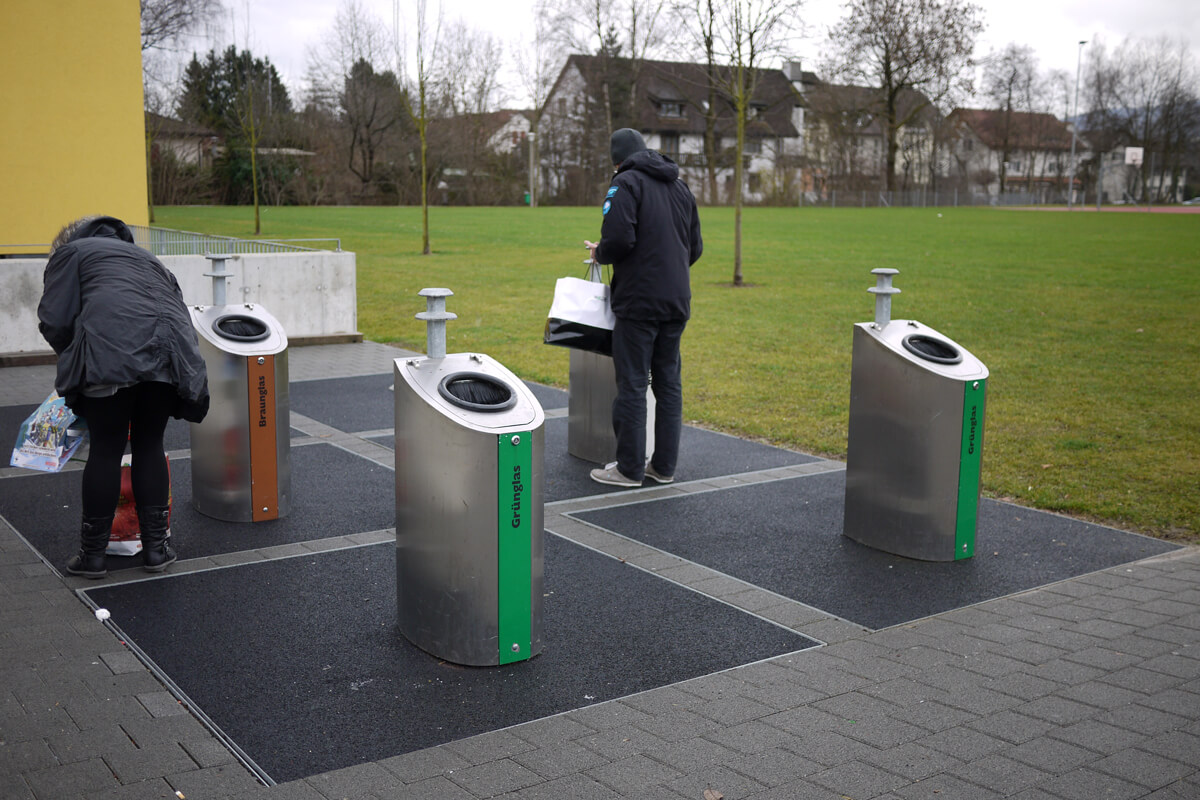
{"points": [[651, 236]]}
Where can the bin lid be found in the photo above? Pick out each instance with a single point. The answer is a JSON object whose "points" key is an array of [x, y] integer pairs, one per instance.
{"points": [[925, 347], [244, 329], [473, 389]]}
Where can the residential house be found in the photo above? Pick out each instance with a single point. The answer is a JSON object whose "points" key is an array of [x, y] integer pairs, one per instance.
{"points": [[189, 143], [804, 134], [1124, 180], [482, 158], [681, 113], [845, 137], [998, 152]]}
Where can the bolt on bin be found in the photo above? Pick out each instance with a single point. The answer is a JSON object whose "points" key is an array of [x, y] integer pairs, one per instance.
{"points": [[916, 437], [241, 452], [470, 445], [591, 390]]}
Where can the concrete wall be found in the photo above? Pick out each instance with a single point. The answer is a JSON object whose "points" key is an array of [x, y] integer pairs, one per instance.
{"points": [[72, 129], [313, 295]]}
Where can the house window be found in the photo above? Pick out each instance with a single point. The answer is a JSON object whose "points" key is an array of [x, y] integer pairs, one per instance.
{"points": [[671, 109], [756, 112], [753, 146], [670, 144], [968, 144]]}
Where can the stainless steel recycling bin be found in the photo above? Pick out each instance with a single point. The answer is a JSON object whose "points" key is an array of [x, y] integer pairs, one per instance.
{"points": [[591, 390], [590, 395], [469, 509], [241, 452], [915, 441]]}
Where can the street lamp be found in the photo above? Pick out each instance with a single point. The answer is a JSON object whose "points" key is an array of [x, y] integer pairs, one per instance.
{"points": [[1074, 128]]}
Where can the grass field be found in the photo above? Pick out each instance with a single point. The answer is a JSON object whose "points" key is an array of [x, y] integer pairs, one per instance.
{"points": [[1087, 323]]}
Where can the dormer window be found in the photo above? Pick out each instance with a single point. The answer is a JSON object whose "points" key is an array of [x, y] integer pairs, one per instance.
{"points": [[670, 108]]}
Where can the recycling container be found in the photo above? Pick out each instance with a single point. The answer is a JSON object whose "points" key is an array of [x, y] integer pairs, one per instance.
{"points": [[915, 441], [470, 441], [241, 452], [591, 390]]}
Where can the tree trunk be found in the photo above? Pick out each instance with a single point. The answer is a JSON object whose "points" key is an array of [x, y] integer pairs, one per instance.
{"points": [[149, 178], [738, 169], [424, 127]]}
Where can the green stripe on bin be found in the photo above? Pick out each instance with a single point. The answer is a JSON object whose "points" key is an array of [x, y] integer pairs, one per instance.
{"points": [[970, 461], [514, 541]]}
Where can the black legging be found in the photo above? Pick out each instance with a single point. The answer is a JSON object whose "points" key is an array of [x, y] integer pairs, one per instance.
{"points": [[137, 414]]}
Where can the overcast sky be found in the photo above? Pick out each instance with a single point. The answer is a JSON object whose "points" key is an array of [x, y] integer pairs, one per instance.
{"points": [[285, 29]]}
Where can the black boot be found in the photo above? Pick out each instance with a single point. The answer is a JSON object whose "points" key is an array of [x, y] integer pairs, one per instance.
{"points": [[93, 540], [157, 553]]}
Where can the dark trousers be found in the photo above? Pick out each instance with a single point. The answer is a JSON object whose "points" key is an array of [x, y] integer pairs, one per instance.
{"points": [[137, 414], [643, 349]]}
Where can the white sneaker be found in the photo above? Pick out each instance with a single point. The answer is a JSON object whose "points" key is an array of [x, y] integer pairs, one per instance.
{"points": [[613, 477]]}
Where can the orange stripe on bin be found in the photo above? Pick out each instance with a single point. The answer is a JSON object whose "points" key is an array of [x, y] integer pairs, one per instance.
{"points": [[264, 467]]}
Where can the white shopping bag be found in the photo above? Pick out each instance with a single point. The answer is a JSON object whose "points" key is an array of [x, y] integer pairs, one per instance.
{"points": [[581, 316]]}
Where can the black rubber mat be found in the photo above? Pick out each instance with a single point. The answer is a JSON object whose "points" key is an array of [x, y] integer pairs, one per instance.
{"points": [[300, 663], [349, 404], [703, 454], [786, 536], [334, 493], [367, 404], [177, 436]]}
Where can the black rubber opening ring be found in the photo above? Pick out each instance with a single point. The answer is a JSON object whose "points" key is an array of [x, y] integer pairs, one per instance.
{"points": [[931, 349], [241, 337], [444, 390]]}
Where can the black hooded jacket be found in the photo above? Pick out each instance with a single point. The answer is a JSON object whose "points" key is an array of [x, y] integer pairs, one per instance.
{"points": [[651, 236], [115, 316]]}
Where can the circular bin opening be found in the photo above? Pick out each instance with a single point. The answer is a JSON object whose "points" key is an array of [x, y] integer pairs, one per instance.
{"points": [[477, 392], [932, 349], [241, 328]]}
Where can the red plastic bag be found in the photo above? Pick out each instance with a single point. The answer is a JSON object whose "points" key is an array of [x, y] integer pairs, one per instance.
{"points": [[125, 539]]}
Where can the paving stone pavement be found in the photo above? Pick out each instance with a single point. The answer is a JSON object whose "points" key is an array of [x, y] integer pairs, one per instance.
{"points": [[1087, 688]]}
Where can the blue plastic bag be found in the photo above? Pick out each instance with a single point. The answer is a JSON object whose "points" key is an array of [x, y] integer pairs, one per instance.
{"points": [[49, 437]]}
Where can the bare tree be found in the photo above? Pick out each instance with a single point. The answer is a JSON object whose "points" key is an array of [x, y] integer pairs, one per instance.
{"points": [[346, 71], [468, 89], [1009, 78], [251, 114], [897, 46], [468, 80], [164, 21], [747, 35], [418, 102], [1144, 94], [536, 61], [622, 33], [698, 19]]}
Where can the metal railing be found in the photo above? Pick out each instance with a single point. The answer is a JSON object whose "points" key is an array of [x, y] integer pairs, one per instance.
{"points": [[168, 242]]}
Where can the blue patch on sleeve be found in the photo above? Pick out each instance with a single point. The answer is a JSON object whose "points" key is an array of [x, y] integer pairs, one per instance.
{"points": [[612, 191], [607, 206]]}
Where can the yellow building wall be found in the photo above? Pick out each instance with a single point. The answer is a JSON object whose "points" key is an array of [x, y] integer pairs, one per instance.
{"points": [[72, 126]]}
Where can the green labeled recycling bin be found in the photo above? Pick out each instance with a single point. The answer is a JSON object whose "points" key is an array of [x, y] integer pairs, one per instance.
{"points": [[915, 444], [470, 441]]}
